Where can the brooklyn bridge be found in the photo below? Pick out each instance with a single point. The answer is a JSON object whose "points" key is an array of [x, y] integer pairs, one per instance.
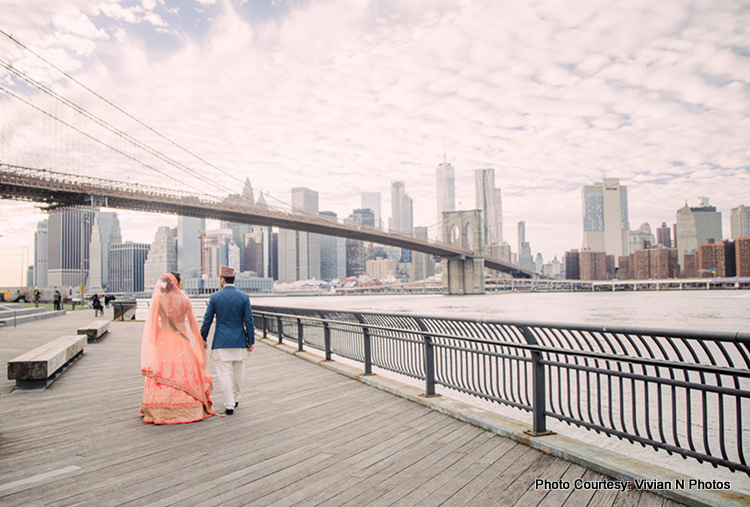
{"points": [[54, 189]]}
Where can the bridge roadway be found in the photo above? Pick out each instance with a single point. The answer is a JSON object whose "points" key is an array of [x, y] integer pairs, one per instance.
{"points": [[302, 435], [55, 189]]}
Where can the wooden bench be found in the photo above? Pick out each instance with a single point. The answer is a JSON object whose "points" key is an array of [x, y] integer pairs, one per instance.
{"points": [[95, 330], [38, 368]]}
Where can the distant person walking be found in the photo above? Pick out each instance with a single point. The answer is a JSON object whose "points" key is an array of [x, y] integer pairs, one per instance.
{"points": [[173, 359], [57, 299], [234, 336], [37, 296], [96, 303]]}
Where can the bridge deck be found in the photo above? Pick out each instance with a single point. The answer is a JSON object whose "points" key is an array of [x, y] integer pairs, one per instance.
{"points": [[302, 435]]}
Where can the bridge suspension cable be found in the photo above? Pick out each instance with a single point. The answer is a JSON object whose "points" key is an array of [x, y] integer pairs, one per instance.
{"points": [[119, 109], [92, 117]]}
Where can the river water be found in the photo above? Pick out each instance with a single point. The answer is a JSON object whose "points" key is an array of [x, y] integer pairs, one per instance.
{"points": [[696, 310]]}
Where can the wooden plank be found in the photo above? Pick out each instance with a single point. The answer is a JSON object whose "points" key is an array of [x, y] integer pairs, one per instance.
{"points": [[302, 434]]}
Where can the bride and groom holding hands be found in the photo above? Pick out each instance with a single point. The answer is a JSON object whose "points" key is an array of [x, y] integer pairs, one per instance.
{"points": [[173, 351]]}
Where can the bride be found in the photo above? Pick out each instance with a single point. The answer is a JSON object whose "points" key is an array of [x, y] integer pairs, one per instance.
{"points": [[173, 359]]}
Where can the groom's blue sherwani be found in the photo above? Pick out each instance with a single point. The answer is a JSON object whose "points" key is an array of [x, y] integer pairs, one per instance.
{"points": [[234, 319]]}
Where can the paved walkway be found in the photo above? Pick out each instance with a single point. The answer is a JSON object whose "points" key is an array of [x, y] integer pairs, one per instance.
{"points": [[302, 435]]}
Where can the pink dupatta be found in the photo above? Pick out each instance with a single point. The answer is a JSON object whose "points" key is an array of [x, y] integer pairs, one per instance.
{"points": [[170, 309]]}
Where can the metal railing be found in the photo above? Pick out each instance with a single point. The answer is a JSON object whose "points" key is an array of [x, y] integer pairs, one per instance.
{"points": [[684, 392]]}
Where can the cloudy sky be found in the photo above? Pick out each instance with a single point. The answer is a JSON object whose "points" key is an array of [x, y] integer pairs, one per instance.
{"points": [[345, 96]]}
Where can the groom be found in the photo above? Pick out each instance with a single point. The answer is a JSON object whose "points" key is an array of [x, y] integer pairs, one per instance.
{"points": [[234, 335]]}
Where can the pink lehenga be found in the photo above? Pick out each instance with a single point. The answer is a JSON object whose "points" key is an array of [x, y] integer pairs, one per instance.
{"points": [[173, 360]]}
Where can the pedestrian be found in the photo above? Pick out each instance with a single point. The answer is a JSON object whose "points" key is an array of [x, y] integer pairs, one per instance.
{"points": [[57, 299], [234, 336], [173, 359], [96, 304], [37, 296]]}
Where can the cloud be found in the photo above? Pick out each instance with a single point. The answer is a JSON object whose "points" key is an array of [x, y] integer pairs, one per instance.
{"points": [[553, 98]]}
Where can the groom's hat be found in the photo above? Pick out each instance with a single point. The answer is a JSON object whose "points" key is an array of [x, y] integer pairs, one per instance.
{"points": [[226, 271]]}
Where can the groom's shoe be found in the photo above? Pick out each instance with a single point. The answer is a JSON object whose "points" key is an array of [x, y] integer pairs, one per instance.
{"points": [[229, 411], [236, 403]]}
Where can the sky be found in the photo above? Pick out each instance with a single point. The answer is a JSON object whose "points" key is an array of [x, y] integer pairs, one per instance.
{"points": [[346, 96]]}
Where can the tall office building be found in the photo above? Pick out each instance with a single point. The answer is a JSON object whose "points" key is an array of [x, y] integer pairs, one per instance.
{"points": [[252, 251], [740, 222], [65, 255], [424, 264], [664, 235], [525, 259], [402, 215], [299, 252], [126, 262], [332, 255], [106, 232], [696, 226], [489, 200], [40, 254], [371, 200], [240, 230], [219, 249], [401, 209], [605, 217], [364, 216], [162, 256], [446, 193], [190, 246]]}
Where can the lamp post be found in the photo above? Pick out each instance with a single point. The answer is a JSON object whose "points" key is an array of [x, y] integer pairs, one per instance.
{"points": [[84, 219]]}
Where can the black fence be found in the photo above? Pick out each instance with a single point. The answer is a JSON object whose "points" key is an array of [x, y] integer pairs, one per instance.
{"points": [[684, 392]]}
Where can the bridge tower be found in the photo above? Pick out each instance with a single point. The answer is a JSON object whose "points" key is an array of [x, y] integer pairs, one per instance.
{"points": [[462, 275]]}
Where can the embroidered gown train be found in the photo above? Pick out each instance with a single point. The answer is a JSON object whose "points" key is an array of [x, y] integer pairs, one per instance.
{"points": [[173, 360]]}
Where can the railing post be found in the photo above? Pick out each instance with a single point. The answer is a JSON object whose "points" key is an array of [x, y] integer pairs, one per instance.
{"points": [[300, 335], [429, 366], [538, 389], [327, 340], [265, 327], [368, 350], [280, 330], [367, 342]]}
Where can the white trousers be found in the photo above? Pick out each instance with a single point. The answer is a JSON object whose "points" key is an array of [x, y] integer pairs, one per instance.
{"points": [[231, 375]]}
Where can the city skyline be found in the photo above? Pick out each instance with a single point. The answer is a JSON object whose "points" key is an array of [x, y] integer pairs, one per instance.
{"points": [[655, 95]]}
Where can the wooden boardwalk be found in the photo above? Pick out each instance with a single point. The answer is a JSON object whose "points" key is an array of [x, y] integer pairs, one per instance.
{"points": [[302, 435]]}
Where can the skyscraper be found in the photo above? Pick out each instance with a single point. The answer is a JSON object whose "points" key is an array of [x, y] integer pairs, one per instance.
{"points": [[400, 220], [162, 256], [371, 200], [740, 222], [126, 261], [525, 259], [424, 264], [696, 226], [106, 232], [189, 246], [605, 217], [40, 254], [65, 254], [299, 252], [446, 193], [664, 235], [332, 255], [489, 200]]}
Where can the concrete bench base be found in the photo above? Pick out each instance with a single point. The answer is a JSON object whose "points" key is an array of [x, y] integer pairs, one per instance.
{"points": [[95, 330], [39, 367]]}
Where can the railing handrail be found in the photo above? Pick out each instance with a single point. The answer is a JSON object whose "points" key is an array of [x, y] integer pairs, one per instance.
{"points": [[659, 363], [649, 386], [723, 336]]}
